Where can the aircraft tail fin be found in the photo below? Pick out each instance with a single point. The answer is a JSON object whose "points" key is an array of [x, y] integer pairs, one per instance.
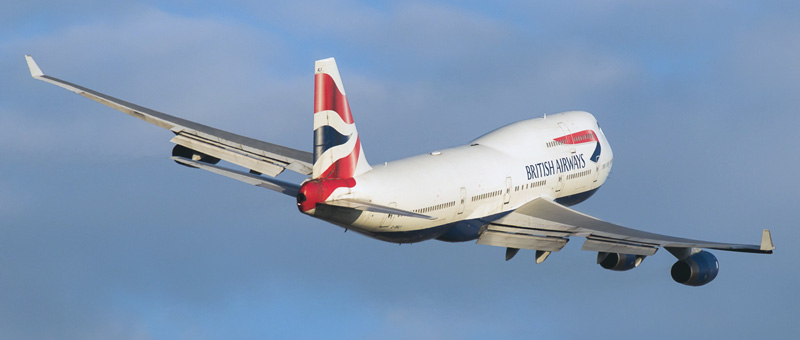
{"points": [[337, 147]]}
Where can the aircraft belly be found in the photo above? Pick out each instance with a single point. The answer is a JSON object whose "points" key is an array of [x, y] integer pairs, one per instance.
{"points": [[406, 236], [576, 198]]}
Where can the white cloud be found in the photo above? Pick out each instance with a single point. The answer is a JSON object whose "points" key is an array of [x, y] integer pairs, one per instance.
{"points": [[214, 72]]}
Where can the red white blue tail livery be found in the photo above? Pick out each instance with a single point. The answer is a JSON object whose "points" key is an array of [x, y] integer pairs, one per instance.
{"points": [[337, 147]]}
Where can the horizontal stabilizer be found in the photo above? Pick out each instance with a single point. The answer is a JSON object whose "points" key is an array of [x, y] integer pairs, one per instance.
{"points": [[286, 188], [373, 207]]}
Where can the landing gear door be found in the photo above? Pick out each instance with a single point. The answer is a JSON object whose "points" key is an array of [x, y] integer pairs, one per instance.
{"points": [[388, 219], [462, 200], [560, 184]]}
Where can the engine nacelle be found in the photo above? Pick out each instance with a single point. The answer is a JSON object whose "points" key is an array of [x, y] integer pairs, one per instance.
{"points": [[696, 270], [182, 151], [619, 262]]}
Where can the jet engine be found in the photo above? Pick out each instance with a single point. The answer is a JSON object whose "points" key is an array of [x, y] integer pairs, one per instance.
{"points": [[619, 262], [696, 270], [182, 151]]}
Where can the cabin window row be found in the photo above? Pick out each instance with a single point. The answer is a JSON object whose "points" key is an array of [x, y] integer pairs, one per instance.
{"points": [[579, 174], [487, 195], [435, 207], [530, 185]]}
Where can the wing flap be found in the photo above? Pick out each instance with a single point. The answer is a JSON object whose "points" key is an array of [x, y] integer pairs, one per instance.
{"points": [[227, 144], [521, 241], [617, 247]]}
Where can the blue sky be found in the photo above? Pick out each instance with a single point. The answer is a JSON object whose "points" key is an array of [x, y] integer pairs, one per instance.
{"points": [[102, 236]]}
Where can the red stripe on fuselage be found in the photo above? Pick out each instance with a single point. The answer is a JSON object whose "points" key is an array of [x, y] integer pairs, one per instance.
{"points": [[328, 97], [584, 136]]}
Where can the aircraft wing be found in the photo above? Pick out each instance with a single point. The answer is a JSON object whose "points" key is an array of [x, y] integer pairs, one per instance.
{"points": [[545, 225], [263, 157]]}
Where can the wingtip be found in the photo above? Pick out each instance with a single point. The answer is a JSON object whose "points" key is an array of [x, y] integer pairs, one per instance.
{"points": [[36, 72], [766, 241]]}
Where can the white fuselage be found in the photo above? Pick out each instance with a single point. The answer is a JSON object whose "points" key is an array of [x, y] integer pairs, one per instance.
{"points": [[464, 186]]}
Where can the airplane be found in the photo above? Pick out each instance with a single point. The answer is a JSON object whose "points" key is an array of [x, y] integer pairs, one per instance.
{"points": [[512, 187]]}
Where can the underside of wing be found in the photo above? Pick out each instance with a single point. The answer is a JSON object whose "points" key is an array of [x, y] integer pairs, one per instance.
{"points": [[263, 157], [549, 221], [285, 188], [545, 226]]}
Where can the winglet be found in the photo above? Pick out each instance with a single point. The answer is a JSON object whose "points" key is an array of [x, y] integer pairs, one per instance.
{"points": [[36, 72], [766, 241]]}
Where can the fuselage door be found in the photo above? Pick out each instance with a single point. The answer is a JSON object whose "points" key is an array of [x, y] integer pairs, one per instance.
{"points": [[463, 200], [387, 222], [565, 129], [507, 195], [560, 184]]}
